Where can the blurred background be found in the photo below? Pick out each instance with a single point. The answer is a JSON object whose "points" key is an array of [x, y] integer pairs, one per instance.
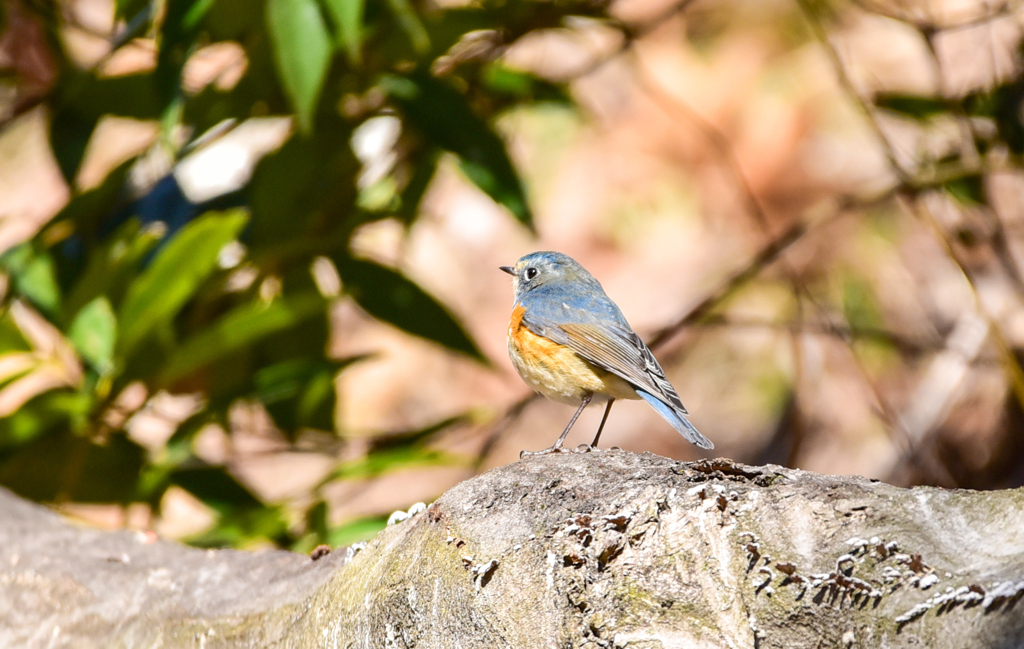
{"points": [[250, 249]]}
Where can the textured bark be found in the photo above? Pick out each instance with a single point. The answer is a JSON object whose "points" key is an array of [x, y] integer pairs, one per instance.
{"points": [[603, 549]]}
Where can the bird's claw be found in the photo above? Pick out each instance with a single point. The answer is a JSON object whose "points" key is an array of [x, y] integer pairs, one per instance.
{"points": [[547, 451]]}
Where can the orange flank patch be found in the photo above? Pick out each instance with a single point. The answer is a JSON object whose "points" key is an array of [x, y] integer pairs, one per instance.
{"points": [[556, 371]]}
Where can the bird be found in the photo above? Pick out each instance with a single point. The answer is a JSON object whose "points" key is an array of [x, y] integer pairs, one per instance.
{"points": [[570, 342]]}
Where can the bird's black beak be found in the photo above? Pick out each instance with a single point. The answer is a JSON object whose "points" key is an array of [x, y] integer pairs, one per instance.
{"points": [[508, 269]]}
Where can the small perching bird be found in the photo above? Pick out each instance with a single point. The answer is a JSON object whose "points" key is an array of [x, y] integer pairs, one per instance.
{"points": [[572, 344]]}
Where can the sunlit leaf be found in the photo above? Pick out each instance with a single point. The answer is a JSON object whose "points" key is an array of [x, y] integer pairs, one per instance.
{"points": [[442, 115], [174, 276], [16, 364], [93, 332], [11, 337], [302, 50], [391, 297], [348, 16], [85, 97]]}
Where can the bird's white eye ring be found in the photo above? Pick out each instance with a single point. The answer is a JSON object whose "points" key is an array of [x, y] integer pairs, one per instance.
{"points": [[530, 273]]}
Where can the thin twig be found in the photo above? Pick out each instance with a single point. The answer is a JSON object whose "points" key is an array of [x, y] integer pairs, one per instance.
{"points": [[1002, 10]]}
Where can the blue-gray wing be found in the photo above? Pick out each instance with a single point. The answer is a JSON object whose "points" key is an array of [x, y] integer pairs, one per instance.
{"points": [[612, 346]]}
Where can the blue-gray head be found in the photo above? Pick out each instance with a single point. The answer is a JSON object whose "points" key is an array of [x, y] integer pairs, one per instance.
{"points": [[544, 268]]}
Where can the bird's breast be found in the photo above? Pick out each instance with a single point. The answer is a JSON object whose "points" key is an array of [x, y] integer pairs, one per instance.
{"points": [[556, 371]]}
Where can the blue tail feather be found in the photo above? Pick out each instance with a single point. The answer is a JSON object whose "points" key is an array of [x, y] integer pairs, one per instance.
{"points": [[678, 421]]}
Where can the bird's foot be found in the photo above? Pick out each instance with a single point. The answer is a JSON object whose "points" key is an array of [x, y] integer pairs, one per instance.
{"points": [[547, 451], [584, 448]]}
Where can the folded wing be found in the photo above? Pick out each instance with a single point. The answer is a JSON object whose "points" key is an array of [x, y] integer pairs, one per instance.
{"points": [[621, 352]]}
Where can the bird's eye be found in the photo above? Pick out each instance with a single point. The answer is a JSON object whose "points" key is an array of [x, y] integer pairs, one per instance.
{"points": [[531, 272]]}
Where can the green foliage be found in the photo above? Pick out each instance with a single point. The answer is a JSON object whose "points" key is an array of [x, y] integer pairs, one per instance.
{"points": [[111, 298], [436, 109], [913, 106], [173, 278], [302, 50]]}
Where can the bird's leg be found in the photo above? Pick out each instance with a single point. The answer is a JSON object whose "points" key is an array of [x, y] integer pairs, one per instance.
{"points": [[561, 438], [557, 447], [607, 409]]}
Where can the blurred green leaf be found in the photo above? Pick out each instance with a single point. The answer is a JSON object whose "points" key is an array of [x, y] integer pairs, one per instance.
{"points": [[316, 520], [61, 464], [195, 13], [83, 98], [913, 106], [178, 452], [14, 365], [70, 131], [410, 23], [50, 411], [393, 459], [391, 297], [348, 16], [216, 487], [443, 116], [299, 393], [302, 50], [242, 517], [859, 304], [87, 209], [93, 332], [969, 190], [399, 451], [301, 190], [360, 529], [415, 437], [423, 172], [246, 527], [127, 8], [522, 85], [33, 276], [11, 337], [238, 328], [174, 276], [1003, 104], [112, 265]]}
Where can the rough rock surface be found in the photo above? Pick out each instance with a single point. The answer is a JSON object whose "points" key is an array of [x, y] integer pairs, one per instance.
{"points": [[603, 549]]}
